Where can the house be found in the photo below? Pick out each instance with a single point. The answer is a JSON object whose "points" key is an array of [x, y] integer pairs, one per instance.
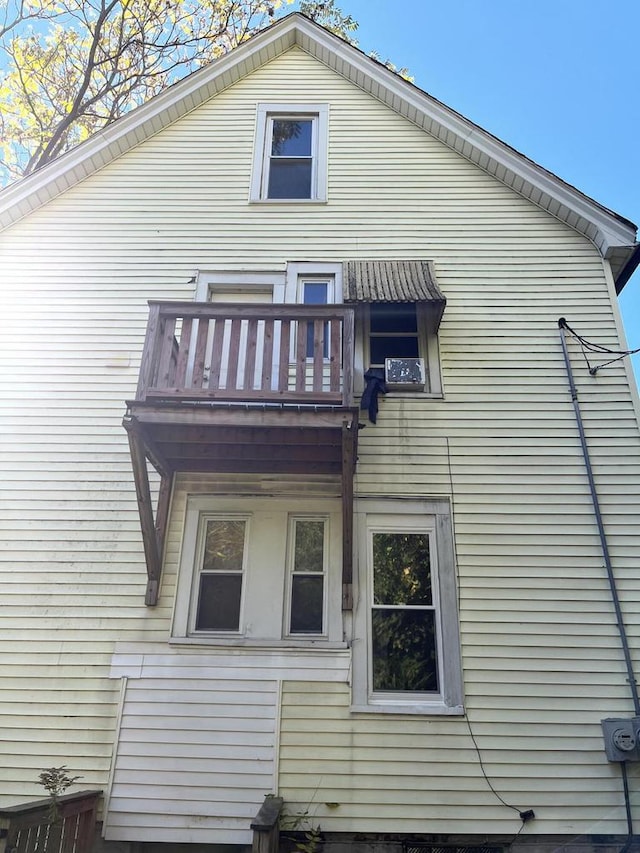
{"points": [[409, 630]]}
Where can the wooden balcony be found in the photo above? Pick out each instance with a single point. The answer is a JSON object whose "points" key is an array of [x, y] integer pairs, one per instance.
{"points": [[242, 388]]}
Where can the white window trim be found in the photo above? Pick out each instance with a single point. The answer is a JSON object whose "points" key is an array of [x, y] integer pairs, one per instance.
{"points": [[265, 595], [293, 518], [429, 349], [407, 515], [259, 177], [245, 282], [300, 271]]}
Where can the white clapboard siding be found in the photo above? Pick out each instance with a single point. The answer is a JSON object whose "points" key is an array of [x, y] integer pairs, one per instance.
{"points": [[197, 744], [542, 662], [352, 771]]}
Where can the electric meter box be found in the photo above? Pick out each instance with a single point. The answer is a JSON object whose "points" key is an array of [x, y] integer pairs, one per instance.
{"points": [[622, 738]]}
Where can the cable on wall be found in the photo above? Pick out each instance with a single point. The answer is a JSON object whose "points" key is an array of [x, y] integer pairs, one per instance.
{"points": [[527, 814], [590, 346]]}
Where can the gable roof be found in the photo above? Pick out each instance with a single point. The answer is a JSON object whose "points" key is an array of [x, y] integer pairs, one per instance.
{"points": [[613, 235]]}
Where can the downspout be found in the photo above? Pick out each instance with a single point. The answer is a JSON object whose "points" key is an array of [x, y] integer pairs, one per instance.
{"points": [[601, 531]]}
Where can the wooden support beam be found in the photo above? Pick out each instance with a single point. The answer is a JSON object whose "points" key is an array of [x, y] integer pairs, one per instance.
{"points": [[149, 535], [349, 444]]}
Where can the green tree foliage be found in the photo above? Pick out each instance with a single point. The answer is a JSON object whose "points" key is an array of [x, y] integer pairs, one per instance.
{"points": [[70, 67]]}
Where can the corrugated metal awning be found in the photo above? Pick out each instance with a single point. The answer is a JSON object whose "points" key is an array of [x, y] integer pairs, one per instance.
{"points": [[393, 281]]}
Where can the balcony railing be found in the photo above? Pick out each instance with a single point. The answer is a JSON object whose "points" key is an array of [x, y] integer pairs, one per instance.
{"points": [[202, 351]]}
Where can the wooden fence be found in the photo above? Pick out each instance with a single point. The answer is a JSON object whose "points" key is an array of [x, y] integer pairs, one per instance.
{"points": [[28, 828]]}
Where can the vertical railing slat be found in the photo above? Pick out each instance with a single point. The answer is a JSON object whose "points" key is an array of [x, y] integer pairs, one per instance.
{"points": [[183, 353], [347, 359], [234, 354], [216, 353], [301, 354], [250, 359], [167, 337], [285, 343], [149, 360], [334, 355], [267, 356], [318, 354], [201, 353]]}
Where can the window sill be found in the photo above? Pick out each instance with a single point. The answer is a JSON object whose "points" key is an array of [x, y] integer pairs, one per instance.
{"points": [[256, 643], [422, 708], [409, 395], [287, 201]]}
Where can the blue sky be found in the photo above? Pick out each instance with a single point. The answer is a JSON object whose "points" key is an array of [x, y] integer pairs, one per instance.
{"points": [[556, 79]]}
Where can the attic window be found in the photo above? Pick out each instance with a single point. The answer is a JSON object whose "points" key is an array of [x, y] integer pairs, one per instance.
{"points": [[290, 160]]}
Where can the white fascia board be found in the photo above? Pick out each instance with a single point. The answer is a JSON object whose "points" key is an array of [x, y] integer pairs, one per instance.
{"points": [[530, 180]]}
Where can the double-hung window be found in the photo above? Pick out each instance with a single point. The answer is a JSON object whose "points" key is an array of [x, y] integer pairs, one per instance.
{"points": [[307, 554], [290, 160], [221, 560], [406, 648], [258, 569]]}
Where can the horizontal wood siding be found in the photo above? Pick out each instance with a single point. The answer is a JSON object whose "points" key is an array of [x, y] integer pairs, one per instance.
{"points": [[198, 739], [541, 657]]}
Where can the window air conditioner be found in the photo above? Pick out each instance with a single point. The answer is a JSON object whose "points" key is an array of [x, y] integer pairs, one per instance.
{"points": [[404, 373]]}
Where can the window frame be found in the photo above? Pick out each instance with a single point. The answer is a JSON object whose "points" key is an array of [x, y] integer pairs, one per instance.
{"points": [[373, 515], [428, 350], [265, 592], [294, 518], [265, 115], [199, 570]]}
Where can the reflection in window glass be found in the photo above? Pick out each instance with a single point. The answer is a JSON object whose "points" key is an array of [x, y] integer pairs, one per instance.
{"points": [[307, 581], [220, 588], [403, 631], [291, 160]]}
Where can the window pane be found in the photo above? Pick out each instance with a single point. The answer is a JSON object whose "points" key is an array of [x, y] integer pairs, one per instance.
{"points": [[401, 569], [306, 604], [315, 293], [390, 347], [224, 545], [291, 138], [309, 546], [404, 650], [395, 317], [219, 603], [289, 179]]}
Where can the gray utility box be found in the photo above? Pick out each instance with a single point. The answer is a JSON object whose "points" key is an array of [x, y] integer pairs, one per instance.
{"points": [[622, 738]]}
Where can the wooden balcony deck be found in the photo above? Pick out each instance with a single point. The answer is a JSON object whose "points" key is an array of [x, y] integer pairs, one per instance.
{"points": [[242, 388]]}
